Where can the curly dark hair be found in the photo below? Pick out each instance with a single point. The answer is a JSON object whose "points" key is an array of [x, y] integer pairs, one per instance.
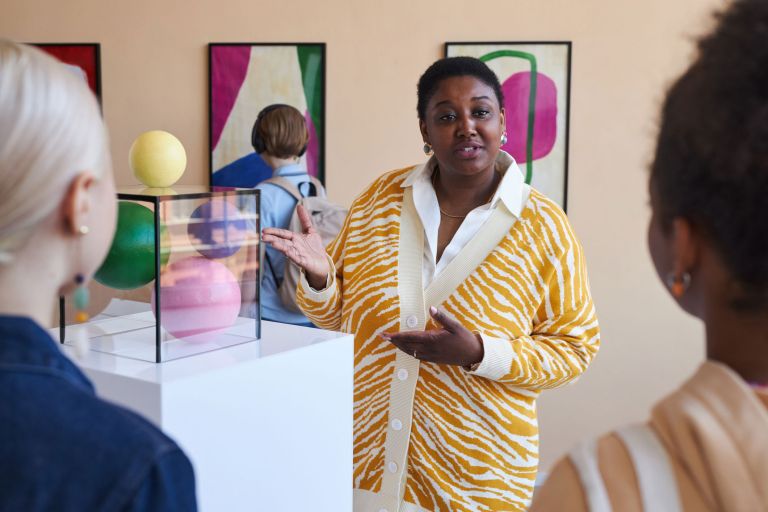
{"points": [[711, 162], [449, 68]]}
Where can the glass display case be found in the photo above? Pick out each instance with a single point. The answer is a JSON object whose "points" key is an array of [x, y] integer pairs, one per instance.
{"points": [[181, 276]]}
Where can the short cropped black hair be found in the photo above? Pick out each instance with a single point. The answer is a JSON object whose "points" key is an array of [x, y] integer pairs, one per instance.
{"points": [[711, 162], [449, 68]]}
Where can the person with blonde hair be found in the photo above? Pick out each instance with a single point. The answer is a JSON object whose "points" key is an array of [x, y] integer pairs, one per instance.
{"points": [[61, 447], [705, 447]]}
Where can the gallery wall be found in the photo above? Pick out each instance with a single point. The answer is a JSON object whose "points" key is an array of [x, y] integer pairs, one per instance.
{"points": [[154, 76]]}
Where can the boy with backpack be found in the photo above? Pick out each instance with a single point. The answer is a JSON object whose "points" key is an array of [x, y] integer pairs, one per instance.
{"points": [[280, 137]]}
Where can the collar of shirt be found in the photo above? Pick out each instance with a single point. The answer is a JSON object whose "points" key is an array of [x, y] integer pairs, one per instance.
{"points": [[25, 346], [509, 191], [296, 169], [512, 192]]}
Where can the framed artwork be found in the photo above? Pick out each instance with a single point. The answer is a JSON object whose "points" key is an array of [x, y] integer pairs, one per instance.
{"points": [[536, 81], [83, 59], [243, 79]]}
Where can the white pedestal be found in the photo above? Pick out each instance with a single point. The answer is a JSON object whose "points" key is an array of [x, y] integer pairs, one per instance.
{"points": [[267, 424]]}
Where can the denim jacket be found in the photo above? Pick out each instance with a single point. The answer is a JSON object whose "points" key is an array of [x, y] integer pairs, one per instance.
{"points": [[64, 449]]}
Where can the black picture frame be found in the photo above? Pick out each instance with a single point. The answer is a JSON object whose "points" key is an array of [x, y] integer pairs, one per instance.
{"points": [[69, 54], [559, 193], [316, 112]]}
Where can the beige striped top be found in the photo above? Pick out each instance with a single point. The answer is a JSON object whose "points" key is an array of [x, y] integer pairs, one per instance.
{"points": [[436, 437]]}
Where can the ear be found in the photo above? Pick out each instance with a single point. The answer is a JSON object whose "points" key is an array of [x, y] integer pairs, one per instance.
{"points": [[77, 203], [423, 129], [503, 119], [685, 246]]}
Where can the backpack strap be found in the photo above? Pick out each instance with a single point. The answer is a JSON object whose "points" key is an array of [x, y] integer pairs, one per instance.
{"points": [[286, 185], [655, 477], [292, 189], [584, 458], [319, 188], [289, 187]]}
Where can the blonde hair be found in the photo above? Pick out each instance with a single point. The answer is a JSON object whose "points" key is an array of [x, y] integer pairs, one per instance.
{"points": [[50, 131], [283, 131]]}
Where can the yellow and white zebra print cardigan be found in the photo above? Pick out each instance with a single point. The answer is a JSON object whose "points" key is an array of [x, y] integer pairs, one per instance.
{"points": [[431, 437]]}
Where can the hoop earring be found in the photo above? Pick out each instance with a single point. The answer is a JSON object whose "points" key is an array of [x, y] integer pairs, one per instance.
{"points": [[678, 284], [428, 149]]}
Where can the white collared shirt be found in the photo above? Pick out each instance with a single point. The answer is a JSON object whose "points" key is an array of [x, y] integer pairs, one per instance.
{"points": [[512, 192]]}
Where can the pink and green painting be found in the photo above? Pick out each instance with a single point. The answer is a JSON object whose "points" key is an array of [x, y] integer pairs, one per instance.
{"points": [[535, 81], [245, 78]]}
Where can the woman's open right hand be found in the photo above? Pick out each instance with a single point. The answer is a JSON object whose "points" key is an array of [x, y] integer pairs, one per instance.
{"points": [[304, 249]]}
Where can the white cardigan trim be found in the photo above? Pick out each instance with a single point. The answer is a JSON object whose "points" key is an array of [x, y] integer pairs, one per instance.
{"points": [[405, 373], [498, 357], [367, 501]]}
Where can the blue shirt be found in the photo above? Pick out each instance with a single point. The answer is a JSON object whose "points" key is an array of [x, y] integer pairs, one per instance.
{"points": [[245, 172], [277, 206], [64, 449]]}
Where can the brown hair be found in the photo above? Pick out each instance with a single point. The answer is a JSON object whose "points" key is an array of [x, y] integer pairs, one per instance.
{"points": [[283, 131]]}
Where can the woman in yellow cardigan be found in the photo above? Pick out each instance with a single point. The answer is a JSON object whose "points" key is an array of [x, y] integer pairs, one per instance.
{"points": [[480, 283]]}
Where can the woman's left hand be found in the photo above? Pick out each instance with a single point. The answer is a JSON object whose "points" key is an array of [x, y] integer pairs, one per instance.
{"points": [[453, 344]]}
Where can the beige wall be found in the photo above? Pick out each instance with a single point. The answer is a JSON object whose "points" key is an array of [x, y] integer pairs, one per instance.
{"points": [[154, 72]]}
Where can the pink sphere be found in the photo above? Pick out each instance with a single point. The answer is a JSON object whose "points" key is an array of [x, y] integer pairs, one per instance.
{"points": [[198, 296]]}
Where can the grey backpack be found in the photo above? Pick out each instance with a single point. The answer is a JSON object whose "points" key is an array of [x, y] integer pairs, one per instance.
{"points": [[327, 218]]}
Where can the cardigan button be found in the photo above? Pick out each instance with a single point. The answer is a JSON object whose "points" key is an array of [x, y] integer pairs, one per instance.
{"points": [[392, 467], [397, 424], [411, 321], [402, 374]]}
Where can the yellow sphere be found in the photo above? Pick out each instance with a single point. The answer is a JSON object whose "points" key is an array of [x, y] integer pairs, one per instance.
{"points": [[157, 158], [153, 191]]}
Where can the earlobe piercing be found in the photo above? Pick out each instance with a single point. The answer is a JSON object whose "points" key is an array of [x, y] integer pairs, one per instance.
{"points": [[678, 284], [83, 230]]}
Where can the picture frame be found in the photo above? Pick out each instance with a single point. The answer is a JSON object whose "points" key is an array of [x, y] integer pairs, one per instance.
{"points": [[243, 79], [83, 56], [536, 82]]}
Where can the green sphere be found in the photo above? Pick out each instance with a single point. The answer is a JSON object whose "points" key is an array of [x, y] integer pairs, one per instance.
{"points": [[130, 262]]}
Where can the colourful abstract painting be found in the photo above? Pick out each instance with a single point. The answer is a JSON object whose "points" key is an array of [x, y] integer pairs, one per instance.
{"points": [[245, 78], [535, 79], [82, 58]]}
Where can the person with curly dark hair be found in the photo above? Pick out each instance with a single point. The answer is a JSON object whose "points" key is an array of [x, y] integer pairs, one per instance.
{"points": [[467, 294], [706, 445]]}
